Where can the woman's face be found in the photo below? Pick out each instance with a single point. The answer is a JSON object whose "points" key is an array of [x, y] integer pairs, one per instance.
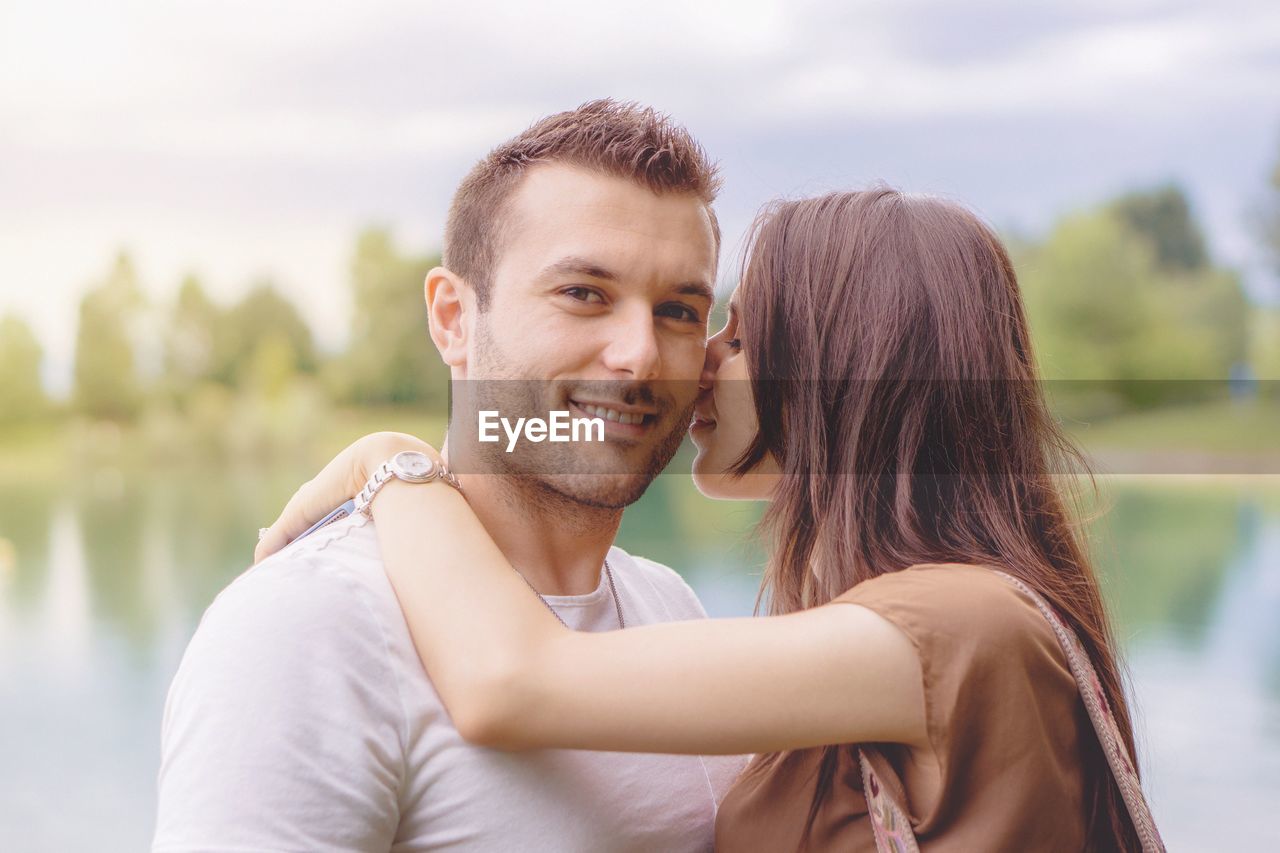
{"points": [[724, 421]]}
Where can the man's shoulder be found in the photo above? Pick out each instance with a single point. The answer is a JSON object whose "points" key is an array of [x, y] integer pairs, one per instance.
{"points": [[341, 556], [661, 583], [331, 581], [316, 618], [286, 722]]}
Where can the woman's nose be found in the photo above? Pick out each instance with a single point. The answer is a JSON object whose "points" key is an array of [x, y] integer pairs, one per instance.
{"points": [[715, 351]]}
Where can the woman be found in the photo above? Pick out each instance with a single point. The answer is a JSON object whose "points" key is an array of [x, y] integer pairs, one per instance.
{"points": [[875, 383]]}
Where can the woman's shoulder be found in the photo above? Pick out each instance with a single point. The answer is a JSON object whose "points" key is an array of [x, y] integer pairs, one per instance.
{"points": [[974, 606], [987, 655], [954, 582], [957, 584]]}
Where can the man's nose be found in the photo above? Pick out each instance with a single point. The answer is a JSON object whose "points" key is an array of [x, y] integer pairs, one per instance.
{"points": [[633, 346]]}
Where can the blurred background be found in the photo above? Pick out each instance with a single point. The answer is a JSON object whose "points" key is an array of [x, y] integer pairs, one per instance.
{"points": [[215, 220]]}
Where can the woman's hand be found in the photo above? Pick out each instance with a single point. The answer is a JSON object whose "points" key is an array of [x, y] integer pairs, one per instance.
{"points": [[337, 482]]}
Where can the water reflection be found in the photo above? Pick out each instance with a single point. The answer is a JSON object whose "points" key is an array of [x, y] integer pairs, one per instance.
{"points": [[65, 607], [106, 581], [1244, 637]]}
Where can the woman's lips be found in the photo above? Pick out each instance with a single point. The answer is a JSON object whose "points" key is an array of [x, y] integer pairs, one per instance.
{"points": [[701, 422]]}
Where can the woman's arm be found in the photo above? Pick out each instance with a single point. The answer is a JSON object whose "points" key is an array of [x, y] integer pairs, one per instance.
{"points": [[513, 677]]}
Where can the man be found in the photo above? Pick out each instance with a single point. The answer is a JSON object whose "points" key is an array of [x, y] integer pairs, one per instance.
{"points": [[579, 264]]}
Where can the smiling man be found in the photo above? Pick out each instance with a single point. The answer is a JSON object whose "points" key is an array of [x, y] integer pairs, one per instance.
{"points": [[578, 271]]}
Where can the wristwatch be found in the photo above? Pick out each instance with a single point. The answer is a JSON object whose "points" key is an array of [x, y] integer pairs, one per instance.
{"points": [[412, 466]]}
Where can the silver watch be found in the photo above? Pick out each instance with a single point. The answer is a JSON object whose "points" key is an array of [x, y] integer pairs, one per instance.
{"points": [[412, 466]]}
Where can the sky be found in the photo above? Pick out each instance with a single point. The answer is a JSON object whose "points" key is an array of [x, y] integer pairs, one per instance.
{"points": [[244, 141]]}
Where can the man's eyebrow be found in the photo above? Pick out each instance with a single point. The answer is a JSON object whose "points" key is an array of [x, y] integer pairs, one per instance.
{"points": [[573, 265], [578, 266], [696, 288]]}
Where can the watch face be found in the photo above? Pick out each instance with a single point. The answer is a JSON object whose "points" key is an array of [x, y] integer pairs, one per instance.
{"points": [[412, 465]]}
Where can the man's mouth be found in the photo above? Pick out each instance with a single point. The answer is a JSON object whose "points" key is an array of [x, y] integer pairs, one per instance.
{"points": [[618, 419]]}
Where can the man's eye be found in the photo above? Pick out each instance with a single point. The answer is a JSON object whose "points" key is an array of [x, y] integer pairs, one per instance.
{"points": [[679, 312], [583, 294]]}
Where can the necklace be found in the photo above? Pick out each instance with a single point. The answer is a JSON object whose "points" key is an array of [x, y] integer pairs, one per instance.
{"points": [[613, 589]]}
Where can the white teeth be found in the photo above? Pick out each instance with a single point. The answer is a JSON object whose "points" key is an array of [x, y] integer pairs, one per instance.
{"points": [[612, 414]]}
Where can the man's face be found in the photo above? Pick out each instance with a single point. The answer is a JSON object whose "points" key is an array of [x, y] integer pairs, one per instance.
{"points": [[599, 301]]}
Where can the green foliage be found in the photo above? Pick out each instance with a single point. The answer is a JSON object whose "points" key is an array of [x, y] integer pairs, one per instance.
{"points": [[260, 343], [262, 319], [192, 335], [1163, 217], [1265, 340], [1270, 231], [1109, 300], [22, 397], [1225, 428], [391, 359], [106, 380], [1265, 337]]}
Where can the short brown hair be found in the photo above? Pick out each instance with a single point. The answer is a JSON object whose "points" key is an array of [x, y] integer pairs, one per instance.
{"points": [[619, 139]]}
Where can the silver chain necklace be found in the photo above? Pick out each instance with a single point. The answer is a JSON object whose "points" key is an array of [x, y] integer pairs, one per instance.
{"points": [[613, 589]]}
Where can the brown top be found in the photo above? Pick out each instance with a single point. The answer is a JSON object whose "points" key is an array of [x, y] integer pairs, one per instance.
{"points": [[1004, 719]]}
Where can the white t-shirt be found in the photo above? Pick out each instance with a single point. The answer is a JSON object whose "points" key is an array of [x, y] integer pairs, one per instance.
{"points": [[302, 719]]}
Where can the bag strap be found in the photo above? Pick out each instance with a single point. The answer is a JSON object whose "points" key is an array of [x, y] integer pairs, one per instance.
{"points": [[890, 822]]}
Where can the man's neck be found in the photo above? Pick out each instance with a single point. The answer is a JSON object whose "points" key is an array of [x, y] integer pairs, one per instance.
{"points": [[559, 546]]}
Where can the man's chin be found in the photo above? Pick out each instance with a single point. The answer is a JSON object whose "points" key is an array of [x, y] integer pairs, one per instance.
{"points": [[603, 491]]}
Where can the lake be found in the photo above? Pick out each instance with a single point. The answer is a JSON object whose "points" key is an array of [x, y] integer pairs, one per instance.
{"points": [[103, 581]]}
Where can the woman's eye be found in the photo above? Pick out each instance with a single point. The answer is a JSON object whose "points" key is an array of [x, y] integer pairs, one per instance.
{"points": [[583, 294], [680, 312], [734, 343]]}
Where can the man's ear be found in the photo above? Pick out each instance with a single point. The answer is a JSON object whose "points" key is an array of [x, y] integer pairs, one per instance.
{"points": [[450, 311]]}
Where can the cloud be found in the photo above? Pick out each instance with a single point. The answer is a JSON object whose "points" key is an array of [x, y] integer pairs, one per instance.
{"points": [[353, 83], [243, 137]]}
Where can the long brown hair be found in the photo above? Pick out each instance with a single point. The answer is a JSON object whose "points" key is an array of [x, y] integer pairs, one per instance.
{"points": [[895, 385]]}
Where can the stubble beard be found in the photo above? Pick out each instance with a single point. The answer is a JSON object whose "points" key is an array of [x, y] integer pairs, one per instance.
{"points": [[558, 476]]}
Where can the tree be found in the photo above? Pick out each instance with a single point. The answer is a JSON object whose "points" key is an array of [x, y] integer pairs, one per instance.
{"points": [[1104, 307], [262, 315], [1270, 220], [1266, 324], [1163, 217], [1265, 355], [105, 375], [390, 358], [21, 394], [192, 336]]}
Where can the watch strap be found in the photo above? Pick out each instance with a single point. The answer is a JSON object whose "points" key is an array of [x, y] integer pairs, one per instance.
{"points": [[386, 471]]}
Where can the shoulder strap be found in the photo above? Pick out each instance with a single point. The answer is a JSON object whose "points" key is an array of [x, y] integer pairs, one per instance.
{"points": [[889, 820]]}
